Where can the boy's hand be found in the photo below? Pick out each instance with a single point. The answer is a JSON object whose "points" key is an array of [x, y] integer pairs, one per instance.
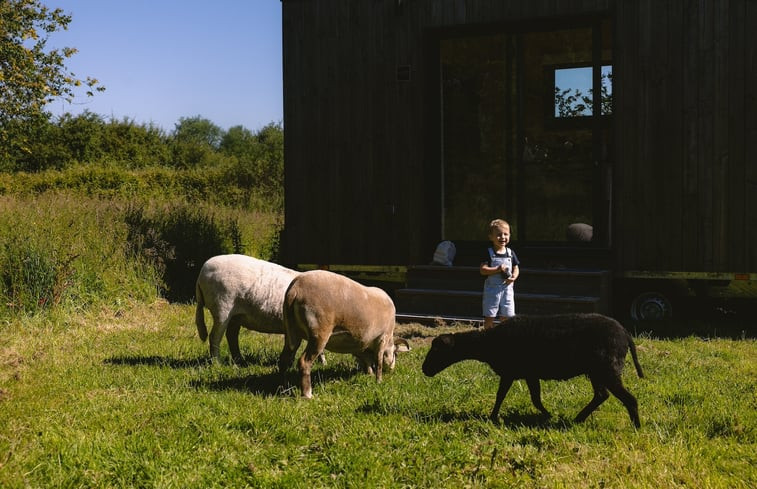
{"points": [[507, 274]]}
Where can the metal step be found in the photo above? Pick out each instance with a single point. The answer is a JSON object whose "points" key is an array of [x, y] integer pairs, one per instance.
{"points": [[531, 280], [427, 319], [467, 303]]}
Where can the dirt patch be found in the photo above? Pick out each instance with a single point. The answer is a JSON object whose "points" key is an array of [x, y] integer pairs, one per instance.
{"points": [[10, 366], [418, 334]]}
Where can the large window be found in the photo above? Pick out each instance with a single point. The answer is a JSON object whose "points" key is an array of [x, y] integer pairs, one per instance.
{"points": [[520, 139]]}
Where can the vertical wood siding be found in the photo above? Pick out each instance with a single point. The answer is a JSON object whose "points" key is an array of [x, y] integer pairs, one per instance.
{"points": [[362, 182], [683, 192]]}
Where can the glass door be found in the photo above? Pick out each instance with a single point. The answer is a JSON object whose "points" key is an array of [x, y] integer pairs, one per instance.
{"points": [[523, 136]]}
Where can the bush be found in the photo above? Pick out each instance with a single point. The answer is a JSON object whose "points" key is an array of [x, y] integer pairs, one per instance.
{"points": [[99, 234], [177, 240]]}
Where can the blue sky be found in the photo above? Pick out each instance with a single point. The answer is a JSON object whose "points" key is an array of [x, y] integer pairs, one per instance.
{"points": [[161, 60]]}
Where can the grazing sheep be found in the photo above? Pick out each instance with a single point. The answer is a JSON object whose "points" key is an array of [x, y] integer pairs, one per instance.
{"points": [[336, 313], [240, 291], [546, 347]]}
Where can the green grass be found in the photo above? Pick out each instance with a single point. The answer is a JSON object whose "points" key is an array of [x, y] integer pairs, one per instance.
{"points": [[124, 397]]}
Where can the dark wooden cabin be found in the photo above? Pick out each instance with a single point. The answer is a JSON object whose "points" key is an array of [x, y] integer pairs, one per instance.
{"points": [[409, 122]]}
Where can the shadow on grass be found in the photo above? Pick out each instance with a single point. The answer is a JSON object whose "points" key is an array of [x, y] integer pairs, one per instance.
{"points": [[676, 329], [510, 419], [158, 361], [276, 384], [257, 358]]}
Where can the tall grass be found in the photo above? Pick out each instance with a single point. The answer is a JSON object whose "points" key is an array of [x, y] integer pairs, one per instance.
{"points": [[127, 399], [227, 185], [62, 249]]}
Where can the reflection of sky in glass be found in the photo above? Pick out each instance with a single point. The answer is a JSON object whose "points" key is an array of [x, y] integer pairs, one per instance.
{"points": [[579, 79]]}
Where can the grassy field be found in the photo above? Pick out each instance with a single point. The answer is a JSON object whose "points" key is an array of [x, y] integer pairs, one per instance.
{"points": [[124, 397]]}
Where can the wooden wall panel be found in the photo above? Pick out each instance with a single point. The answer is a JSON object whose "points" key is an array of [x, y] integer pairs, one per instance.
{"points": [[736, 214], [681, 197], [750, 129], [360, 175]]}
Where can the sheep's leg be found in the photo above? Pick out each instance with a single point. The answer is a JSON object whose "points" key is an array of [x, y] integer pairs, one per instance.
{"points": [[232, 338], [600, 396], [380, 362], [534, 387], [364, 362], [312, 350], [216, 334], [288, 352], [504, 386], [628, 400]]}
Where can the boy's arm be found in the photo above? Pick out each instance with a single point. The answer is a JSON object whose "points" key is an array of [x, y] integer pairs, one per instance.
{"points": [[485, 269]]}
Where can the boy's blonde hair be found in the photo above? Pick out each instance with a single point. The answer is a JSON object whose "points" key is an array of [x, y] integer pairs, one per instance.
{"points": [[498, 224]]}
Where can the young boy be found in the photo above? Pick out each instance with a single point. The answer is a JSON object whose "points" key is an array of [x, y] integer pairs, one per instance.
{"points": [[500, 269]]}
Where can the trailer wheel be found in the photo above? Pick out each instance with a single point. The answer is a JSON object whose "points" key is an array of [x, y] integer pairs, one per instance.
{"points": [[651, 306]]}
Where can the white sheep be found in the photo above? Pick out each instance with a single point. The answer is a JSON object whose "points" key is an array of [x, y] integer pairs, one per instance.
{"points": [[333, 312], [240, 291]]}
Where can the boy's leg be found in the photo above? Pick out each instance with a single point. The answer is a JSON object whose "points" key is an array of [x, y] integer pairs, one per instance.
{"points": [[507, 306], [491, 304]]}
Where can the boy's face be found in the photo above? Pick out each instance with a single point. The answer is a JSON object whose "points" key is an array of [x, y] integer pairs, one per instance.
{"points": [[500, 236]]}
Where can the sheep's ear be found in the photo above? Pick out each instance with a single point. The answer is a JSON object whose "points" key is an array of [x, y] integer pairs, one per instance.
{"points": [[401, 345]]}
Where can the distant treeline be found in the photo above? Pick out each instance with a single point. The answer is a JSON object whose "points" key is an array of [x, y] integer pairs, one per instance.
{"points": [[74, 150]]}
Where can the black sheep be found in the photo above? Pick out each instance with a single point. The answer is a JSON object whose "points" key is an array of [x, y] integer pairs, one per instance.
{"points": [[546, 347]]}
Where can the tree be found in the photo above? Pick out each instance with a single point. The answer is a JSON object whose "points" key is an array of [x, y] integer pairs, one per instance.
{"points": [[195, 142], [31, 75], [238, 141], [198, 130]]}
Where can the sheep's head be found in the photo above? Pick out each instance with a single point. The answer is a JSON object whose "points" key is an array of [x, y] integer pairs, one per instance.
{"points": [[390, 354], [440, 356]]}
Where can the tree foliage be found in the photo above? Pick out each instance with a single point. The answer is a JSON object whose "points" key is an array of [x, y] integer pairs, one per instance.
{"points": [[81, 150], [572, 102], [31, 74]]}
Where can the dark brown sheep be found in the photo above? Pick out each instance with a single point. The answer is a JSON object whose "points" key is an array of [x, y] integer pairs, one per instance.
{"points": [[546, 347]]}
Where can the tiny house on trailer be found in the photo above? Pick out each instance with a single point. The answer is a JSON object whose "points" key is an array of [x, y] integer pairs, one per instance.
{"points": [[409, 122]]}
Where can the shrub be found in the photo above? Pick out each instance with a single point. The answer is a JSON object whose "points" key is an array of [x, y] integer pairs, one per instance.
{"points": [[177, 239]]}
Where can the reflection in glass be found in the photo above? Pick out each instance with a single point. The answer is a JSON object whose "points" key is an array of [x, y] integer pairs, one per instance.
{"points": [[573, 91]]}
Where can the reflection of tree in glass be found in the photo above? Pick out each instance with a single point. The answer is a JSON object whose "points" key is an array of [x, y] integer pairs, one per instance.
{"points": [[571, 102]]}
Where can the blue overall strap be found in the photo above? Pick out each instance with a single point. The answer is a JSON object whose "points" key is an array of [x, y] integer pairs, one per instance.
{"points": [[508, 254]]}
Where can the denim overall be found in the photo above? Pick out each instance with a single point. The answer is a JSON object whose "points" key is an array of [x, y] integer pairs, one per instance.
{"points": [[499, 299]]}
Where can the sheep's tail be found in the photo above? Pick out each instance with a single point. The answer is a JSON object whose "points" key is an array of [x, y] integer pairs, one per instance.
{"points": [[202, 329], [632, 347]]}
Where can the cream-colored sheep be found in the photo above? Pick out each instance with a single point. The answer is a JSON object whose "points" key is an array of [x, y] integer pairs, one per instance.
{"points": [[238, 291]]}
